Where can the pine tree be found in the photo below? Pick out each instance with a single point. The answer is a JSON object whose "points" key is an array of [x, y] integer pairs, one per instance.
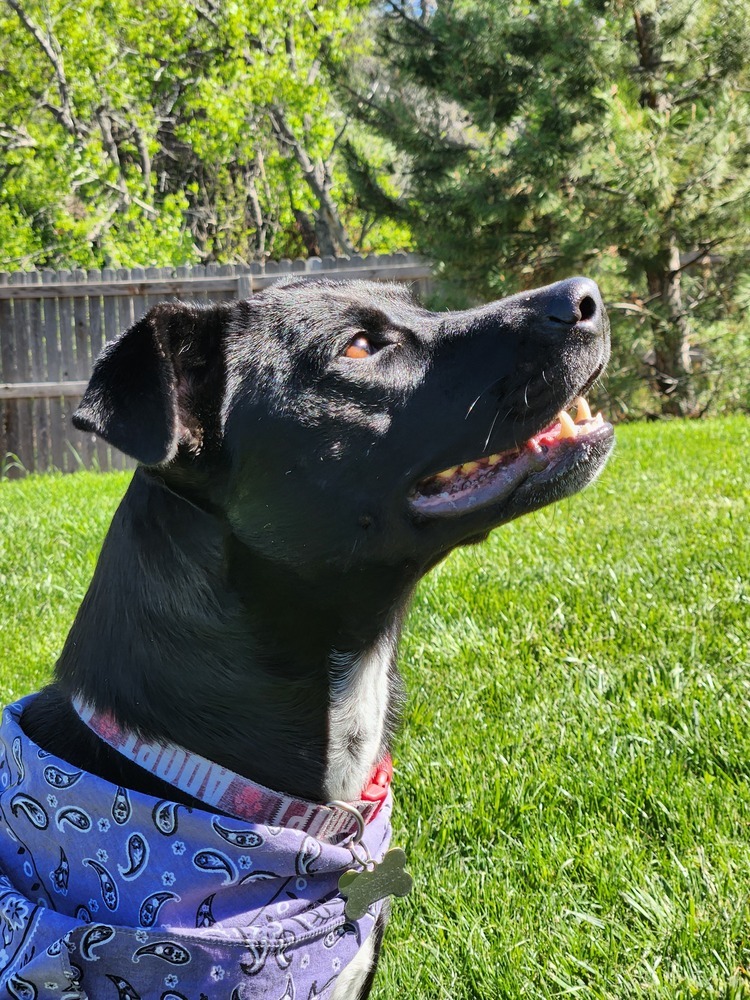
{"points": [[542, 138]]}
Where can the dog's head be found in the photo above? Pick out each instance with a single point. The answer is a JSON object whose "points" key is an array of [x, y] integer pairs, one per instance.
{"points": [[326, 419]]}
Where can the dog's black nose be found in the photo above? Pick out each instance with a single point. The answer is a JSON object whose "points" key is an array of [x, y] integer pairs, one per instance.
{"points": [[572, 302]]}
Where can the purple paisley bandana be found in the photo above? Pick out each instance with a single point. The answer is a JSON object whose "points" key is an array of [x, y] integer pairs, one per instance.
{"points": [[106, 892]]}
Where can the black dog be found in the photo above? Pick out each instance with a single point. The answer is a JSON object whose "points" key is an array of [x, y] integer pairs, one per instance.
{"points": [[306, 456]]}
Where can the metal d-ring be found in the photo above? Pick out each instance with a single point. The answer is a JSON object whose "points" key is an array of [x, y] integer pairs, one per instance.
{"points": [[367, 862], [348, 807]]}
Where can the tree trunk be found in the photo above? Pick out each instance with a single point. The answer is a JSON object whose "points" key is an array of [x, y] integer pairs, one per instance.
{"points": [[673, 368], [307, 232], [329, 228], [650, 60]]}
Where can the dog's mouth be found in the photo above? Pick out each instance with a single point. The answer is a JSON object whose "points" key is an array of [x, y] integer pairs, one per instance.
{"points": [[546, 456]]}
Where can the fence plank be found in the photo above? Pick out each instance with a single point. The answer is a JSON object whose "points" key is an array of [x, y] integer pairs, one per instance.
{"points": [[244, 284], [84, 444], [138, 301], [122, 285], [53, 325], [132, 309], [10, 365], [191, 287], [227, 271], [41, 390], [152, 274], [100, 456], [199, 274], [25, 410], [111, 313], [212, 272], [7, 371], [66, 327], [125, 298], [57, 429], [38, 373], [96, 323]]}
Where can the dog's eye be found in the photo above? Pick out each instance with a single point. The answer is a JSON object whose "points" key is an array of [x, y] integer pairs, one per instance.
{"points": [[360, 347]]}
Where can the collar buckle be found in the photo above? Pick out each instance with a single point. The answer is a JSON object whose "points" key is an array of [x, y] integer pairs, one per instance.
{"points": [[376, 789]]}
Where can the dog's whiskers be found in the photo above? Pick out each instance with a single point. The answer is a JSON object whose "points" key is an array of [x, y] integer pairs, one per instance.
{"points": [[487, 388], [354, 549], [489, 433]]}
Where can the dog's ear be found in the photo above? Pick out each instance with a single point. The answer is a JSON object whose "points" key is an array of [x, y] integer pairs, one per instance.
{"points": [[144, 393]]}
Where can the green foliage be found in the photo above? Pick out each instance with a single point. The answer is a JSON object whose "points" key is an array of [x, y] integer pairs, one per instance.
{"points": [[572, 772], [535, 140], [138, 133]]}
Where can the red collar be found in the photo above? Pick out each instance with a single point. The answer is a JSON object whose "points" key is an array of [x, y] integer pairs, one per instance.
{"points": [[378, 784]]}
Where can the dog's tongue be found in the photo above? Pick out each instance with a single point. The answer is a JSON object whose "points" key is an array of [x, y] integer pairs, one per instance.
{"points": [[565, 427]]}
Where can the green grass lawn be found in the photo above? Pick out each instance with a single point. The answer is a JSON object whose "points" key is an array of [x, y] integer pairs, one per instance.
{"points": [[573, 774]]}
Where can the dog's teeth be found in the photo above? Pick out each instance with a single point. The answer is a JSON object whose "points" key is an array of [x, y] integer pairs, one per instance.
{"points": [[446, 473], [567, 427], [598, 419], [583, 409], [494, 459], [468, 467]]}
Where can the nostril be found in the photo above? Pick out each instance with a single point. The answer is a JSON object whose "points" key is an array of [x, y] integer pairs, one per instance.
{"points": [[570, 302], [587, 308]]}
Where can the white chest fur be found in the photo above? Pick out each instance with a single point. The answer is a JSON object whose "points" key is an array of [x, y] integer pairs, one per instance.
{"points": [[360, 692]]}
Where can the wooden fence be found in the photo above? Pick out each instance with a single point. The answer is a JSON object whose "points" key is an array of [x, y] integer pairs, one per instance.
{"points": [[54, 323]]}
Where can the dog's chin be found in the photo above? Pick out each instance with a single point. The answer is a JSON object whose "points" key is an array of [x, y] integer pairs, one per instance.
{"points": [[554, 463]]}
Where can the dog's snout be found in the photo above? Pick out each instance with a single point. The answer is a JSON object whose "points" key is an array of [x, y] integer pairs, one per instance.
{"points": [[573, 302]]}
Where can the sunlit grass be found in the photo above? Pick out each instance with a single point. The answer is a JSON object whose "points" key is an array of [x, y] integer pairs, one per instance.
{"points": [[572, 773]]}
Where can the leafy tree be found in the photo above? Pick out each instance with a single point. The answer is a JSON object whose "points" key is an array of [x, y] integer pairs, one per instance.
{"points": [[536, 138], [145, 132]]}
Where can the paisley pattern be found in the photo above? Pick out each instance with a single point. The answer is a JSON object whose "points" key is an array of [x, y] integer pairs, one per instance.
{"points": [[137, 852], [105, 892]]}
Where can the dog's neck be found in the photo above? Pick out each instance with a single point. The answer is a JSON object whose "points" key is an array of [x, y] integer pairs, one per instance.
{"points": [[186, 636]]}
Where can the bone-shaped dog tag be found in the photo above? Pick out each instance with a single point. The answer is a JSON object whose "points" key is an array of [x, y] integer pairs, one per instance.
{"points": [[365, 887]]}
